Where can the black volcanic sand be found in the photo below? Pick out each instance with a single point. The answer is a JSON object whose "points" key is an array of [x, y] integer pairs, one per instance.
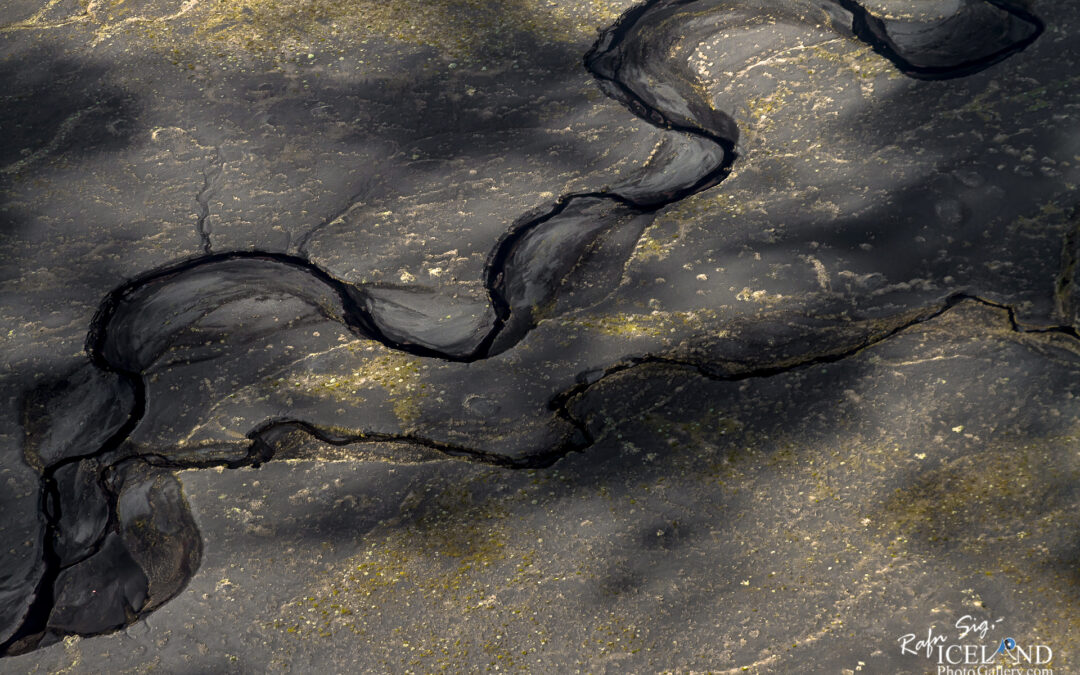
{"points": [[345, 336]]}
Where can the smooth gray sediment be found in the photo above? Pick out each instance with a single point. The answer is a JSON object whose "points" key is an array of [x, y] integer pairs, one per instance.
{"points": [[194, 364]]}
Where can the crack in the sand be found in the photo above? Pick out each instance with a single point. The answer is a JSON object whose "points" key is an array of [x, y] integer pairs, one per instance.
{"points": [[211, 179], [267, 436]]}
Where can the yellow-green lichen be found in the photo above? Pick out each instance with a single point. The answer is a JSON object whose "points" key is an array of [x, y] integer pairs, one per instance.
{"points": [[860, 61], [442, 550], [458, 29], [972, 495], [396, 373], [758, 296], [759, 110], [654, 324]]}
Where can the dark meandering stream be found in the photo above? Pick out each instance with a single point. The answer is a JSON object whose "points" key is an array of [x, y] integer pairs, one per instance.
{"points": [[119, 541]]}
